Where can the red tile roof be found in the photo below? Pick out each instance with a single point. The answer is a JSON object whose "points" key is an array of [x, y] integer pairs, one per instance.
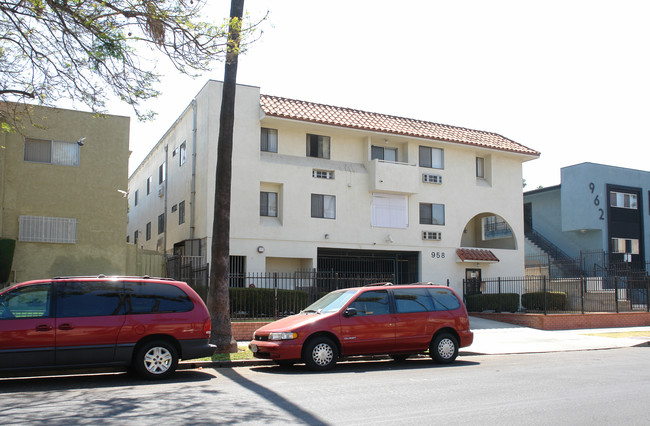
{"points": [[476, 255], [275, 106]]}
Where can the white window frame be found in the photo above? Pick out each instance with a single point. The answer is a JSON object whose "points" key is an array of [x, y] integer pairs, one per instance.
{"points": [[322, 174], [375, 149], [389, 211], [480, 167], [182, 154], [44, 229]]}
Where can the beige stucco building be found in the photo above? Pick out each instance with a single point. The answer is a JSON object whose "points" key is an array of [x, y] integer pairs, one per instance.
{"points": [[60, 176], [318, 186]]}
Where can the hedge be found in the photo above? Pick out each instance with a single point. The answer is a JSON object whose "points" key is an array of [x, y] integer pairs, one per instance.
{"points": [[260, 302], [499, 302], [555, 301]]}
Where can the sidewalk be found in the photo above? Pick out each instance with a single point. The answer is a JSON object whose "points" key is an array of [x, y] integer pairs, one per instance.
{"points": [[498, 338]]}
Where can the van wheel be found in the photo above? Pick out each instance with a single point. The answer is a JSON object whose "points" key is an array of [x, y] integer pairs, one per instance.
{"points": [[320, 354], [156, 360], [444, 348]]}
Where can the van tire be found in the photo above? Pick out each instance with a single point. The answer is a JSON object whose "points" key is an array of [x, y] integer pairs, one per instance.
{"points": [[154, 360], [444, 348], [320, 354]]}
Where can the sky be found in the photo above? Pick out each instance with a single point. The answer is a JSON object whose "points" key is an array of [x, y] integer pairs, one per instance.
{"points": [[569, 78]]}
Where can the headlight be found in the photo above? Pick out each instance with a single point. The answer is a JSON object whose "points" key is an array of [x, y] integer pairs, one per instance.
{"points": [[283, 336]]}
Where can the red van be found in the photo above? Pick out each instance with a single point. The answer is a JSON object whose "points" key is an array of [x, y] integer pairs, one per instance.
{"points": [[144, 323], [398, 320]]}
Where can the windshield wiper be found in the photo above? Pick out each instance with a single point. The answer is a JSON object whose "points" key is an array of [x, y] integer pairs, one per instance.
{"points": [[311, 311]]}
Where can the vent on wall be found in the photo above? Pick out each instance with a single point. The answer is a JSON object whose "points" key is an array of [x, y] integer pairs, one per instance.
{"points": [[429, 235], [161, 191], [431, 178]]}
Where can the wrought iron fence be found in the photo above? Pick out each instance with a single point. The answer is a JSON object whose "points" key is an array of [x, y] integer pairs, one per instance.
{"points": [[275, 295], [561, 295]]}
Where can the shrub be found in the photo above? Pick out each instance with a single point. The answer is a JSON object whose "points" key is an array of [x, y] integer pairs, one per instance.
{"points": [[499, 302], [555, 301], [260, 302]]}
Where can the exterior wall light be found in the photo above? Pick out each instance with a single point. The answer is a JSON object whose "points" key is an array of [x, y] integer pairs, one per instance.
{"points": [[260, 249]]}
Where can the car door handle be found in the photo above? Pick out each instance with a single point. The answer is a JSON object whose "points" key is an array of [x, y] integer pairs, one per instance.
{"points": [[43, 327], [65, 326]]}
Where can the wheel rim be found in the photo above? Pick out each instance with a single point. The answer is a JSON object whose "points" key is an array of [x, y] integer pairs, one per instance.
{"points": [[157, 360], [446, 348], [322, 354]]}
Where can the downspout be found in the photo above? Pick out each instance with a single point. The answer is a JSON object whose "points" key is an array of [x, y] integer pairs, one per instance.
{"points": [[193, 183], [166, 184], [3, 148]]}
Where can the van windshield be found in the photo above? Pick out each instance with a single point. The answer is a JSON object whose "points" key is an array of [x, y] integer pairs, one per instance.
{"points": [[331, 302]]}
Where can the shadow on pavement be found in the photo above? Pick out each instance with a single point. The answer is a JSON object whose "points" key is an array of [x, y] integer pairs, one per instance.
{"points": [[78, 381]]}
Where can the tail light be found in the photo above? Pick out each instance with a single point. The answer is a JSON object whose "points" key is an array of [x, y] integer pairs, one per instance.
{"points": [[207, 327]]}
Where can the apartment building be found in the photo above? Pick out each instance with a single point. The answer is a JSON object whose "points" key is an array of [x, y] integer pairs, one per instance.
{"points": [[331, 188], [596, 207], [60, 205]]}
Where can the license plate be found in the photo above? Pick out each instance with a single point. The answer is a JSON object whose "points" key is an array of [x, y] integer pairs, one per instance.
{"points": [[253, 348]]}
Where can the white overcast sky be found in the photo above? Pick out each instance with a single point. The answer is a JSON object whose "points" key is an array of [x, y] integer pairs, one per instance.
{"points": [[568, 78]]}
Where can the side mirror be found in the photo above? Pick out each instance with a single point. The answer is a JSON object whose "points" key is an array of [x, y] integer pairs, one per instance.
{"points": [[350, 312]]}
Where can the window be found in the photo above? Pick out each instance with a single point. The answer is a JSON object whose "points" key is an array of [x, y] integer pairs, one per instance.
{"points": [[495, 227], [444, 299], [149, 180], [622, 245], [147, 298], [135, 237], [161, 223], [162, 172], [269, 140], [432, 157], [52, 152], [89, 299], [31, 301], [148, 231], [413, 300], [181, 212], [323, 206], [47, 229], [323, 174], [623, 200], [480, 167], [371, 303], [182, 154], [318, 146], [135, 198], [389, 211], [432, 214], [383, 153], [269, 204]]}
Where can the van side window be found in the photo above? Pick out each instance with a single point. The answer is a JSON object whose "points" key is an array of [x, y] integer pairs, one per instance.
{"points": [[444, 299], [413, 300], [26, 302], [373, 302], [148, 298], [88, 299]]}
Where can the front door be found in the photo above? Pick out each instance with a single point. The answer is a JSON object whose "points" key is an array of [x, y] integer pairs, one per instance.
{"points": [[372, 329], [472, 281]]}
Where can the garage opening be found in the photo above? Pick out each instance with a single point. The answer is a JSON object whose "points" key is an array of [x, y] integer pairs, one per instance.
{"points": [[403, 265]]}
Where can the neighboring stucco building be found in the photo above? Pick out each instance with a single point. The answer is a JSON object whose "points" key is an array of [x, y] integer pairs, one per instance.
{"points": [[59, 198], [318, 186], [596, 207]]}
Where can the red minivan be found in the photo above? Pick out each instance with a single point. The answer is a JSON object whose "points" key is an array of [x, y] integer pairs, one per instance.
{"points": [[144, 323], [398, 320]]}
